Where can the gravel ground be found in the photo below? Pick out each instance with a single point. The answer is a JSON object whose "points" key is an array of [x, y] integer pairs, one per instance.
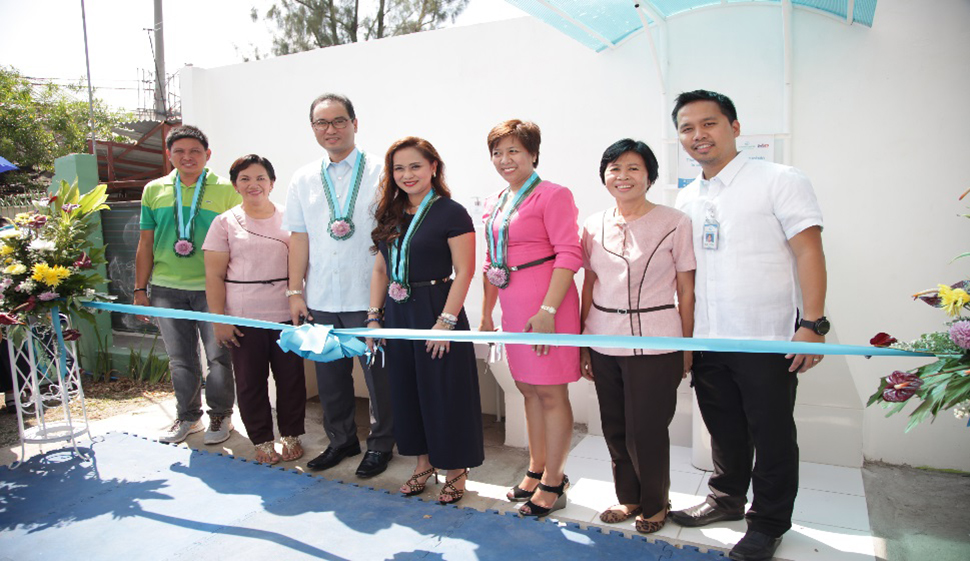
{"points": [[102, 400]]}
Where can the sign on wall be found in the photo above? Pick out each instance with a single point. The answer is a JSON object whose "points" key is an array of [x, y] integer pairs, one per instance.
{"points": [[758, 147]]}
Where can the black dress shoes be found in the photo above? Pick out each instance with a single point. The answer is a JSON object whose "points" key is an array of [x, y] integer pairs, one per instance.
{"points": [[755, 546], [374, 463], [332, 456], [702, 515]]}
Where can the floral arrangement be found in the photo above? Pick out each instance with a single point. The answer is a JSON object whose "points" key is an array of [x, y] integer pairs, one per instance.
{"points": [[46, 259], [945, 383]]}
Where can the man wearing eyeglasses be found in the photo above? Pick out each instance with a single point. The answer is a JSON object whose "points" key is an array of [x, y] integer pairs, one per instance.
{"points": [[328, 211]]}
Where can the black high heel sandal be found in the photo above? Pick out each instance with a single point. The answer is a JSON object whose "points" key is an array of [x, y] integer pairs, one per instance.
{"points": [[453, 493], [416, 487], [540, 511], [518, 494]]}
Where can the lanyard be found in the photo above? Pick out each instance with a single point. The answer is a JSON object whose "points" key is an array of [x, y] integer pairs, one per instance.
{"points": [[185, 228], [399, 251], [499, 245]]}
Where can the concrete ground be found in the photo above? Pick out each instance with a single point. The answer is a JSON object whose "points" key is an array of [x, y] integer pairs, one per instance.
{"points": [[914, 514]]}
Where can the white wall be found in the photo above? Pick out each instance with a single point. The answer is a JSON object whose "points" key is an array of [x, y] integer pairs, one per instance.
{"points": [[868, 104]]}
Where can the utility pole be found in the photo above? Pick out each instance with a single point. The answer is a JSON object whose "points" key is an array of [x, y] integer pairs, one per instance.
{"points": [[160, 112], [87, 62]]}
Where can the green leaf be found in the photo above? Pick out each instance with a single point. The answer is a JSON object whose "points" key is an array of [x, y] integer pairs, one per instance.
{"points": [[962, 255]]}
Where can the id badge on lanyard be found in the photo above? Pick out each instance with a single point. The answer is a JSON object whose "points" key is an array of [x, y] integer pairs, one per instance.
{"points": [[711, 231]]}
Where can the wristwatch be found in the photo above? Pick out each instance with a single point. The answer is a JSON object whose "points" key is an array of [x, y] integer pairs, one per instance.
{"points": [[820, 326], [293, 293]]}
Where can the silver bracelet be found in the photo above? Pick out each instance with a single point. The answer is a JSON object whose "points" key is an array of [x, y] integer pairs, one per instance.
{"points": [[550, 309]]}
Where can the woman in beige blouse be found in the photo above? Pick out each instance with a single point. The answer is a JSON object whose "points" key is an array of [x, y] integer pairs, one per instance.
{"points": [[638, 255]]}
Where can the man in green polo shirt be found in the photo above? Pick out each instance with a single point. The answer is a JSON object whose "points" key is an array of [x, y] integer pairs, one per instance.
{"points": [[176, 211]]}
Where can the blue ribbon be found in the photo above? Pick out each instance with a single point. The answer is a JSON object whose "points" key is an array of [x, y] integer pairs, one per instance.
{"points": [[324, 343]]}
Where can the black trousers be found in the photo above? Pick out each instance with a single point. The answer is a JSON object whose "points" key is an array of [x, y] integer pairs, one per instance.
{"points": [[251, 363], [335, 382], [747, 401], [638, 398], [437, 404]]}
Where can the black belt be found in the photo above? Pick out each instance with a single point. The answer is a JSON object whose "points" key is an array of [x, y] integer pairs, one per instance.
{"points": [[257, 282], [419, 284], [640, 311], [532, 263]]}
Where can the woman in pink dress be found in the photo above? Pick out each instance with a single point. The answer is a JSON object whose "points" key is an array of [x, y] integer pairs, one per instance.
{"points": [[533, 251]]}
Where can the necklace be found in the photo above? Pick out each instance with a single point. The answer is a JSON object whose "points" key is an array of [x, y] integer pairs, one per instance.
{"points": [[399, 253], [342, 225], [184, 246], [498, 245]]}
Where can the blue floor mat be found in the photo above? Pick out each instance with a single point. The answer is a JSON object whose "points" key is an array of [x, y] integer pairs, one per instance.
{"points": [[139, 499]]}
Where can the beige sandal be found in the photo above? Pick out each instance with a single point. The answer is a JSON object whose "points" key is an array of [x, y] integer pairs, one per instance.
{"points": [[266, 453], [292, 448]]}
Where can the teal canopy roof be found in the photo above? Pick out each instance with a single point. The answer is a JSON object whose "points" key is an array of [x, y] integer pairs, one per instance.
{"points": [[603, 24]]}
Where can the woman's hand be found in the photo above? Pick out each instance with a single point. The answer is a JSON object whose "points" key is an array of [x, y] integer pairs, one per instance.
{"points": [[227, 335], [542, 322], [487, 324], [585, 364], [438, 348], [688, 362]]}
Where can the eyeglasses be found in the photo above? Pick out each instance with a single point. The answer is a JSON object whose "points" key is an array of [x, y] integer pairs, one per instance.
{"points": [[323, 124]]}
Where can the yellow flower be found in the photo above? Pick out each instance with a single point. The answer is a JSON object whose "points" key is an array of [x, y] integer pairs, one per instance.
{"points": [[952, 299], [15, 269], [22, 218], [51, 276], [6, 249]]}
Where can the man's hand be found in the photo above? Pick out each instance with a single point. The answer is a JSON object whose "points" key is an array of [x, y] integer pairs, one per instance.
{"points": [[802, 363], [298, 310], [141, 299], [688, 362]]}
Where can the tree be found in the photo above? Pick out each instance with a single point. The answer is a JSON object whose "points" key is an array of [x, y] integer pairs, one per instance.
{"points": [[303, 25], [39, 123]]}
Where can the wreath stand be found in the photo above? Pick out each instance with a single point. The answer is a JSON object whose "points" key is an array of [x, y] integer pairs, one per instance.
{"points": [[47, 377]]}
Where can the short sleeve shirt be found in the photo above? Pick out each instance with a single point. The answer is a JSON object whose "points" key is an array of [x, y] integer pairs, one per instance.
{"points": [[636, 265], [748, 286], [258, 251], [339, 271], [158, 214]]}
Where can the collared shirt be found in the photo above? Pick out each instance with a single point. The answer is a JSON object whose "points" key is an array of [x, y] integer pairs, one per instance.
{"points": [[748, 286], [338, 274], [158, 214], [636, 265]]}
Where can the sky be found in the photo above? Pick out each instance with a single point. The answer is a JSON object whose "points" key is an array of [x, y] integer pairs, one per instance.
{"points": [[44, 38]]}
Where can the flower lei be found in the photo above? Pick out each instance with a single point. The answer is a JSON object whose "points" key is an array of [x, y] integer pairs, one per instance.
{"points": [[498, 273], [399, 253], [341, 225], [184, 246]]}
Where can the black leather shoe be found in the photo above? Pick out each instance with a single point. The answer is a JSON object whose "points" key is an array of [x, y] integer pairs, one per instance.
{"points": [[702, 515], [374, 463], [332, 456], [755, 546]]}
